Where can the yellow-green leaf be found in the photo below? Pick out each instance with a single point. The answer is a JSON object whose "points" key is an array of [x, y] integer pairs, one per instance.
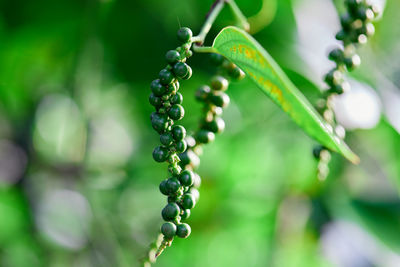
{"points": [[243, 50]]}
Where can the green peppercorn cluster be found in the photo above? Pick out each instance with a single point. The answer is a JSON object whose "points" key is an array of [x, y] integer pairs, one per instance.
{"points": [[169, 110], [182, 190], [214, 99], [356, 28], [182, 151]]}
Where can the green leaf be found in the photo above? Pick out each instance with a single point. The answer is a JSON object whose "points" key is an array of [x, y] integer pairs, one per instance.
{"points": [[243, 50]]}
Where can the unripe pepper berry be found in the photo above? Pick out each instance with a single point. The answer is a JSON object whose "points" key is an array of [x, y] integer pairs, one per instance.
{"points": [[166, 139], [217, 125], [334, 77], [202, 93], [181, 146], [220, 99], [189, 158], [159, 122], [172, 56], [185, 214], [160, 154], [195, 193], [186, 178], [177, 98], [178, 132], [352, 62], [216, 59], [170, 211], [205, 136], [155, 100], [336, 55], [176, 112], [163, 187], [365, 14], [219, 83], [157, 88], [183, 230], [173, 185], [184, 34], [237, 74], [168, 229], [166, 76], [181, 69], [188, 201], [196, 180]]}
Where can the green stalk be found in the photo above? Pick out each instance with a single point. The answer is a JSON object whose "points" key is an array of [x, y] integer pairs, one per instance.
{"points": [[239, 15], [211, 17]]}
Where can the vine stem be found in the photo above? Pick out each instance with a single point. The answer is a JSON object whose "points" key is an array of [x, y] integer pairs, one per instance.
{"points": [[212, 16], [210, 19], [239, 15]]}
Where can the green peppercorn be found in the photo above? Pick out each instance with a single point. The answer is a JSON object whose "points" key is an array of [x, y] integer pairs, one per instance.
{"points": [[183, 230], [216, 59], [181, 146], [189, 74], [341, 35], [166, 77], [186, 178], [173, 185], [170, 211], [217, 125], [352, 62], [191, 142], [341, 88], [184, 34], [185, 214], [178, 132], [205, 136], [157, 88], [189, 158], [228, 66], [181, 69], [173, 87], [166, 139], [172, 56], [202, 93], [176, 112], [155, 100], [367, 29], [168, 229], [346, 20], [334, 77], [220, 99], [365, 14], [336, 55], [160, 154], [163, 187], [177, 98], [219, 83], [361, 39], [236, 74], [317, 151], [196, 180], [159, 122], [188, 201], [195, 193]]}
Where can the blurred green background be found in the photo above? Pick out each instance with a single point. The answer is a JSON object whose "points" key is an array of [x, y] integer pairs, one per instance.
{"points": [[79, 186]]}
